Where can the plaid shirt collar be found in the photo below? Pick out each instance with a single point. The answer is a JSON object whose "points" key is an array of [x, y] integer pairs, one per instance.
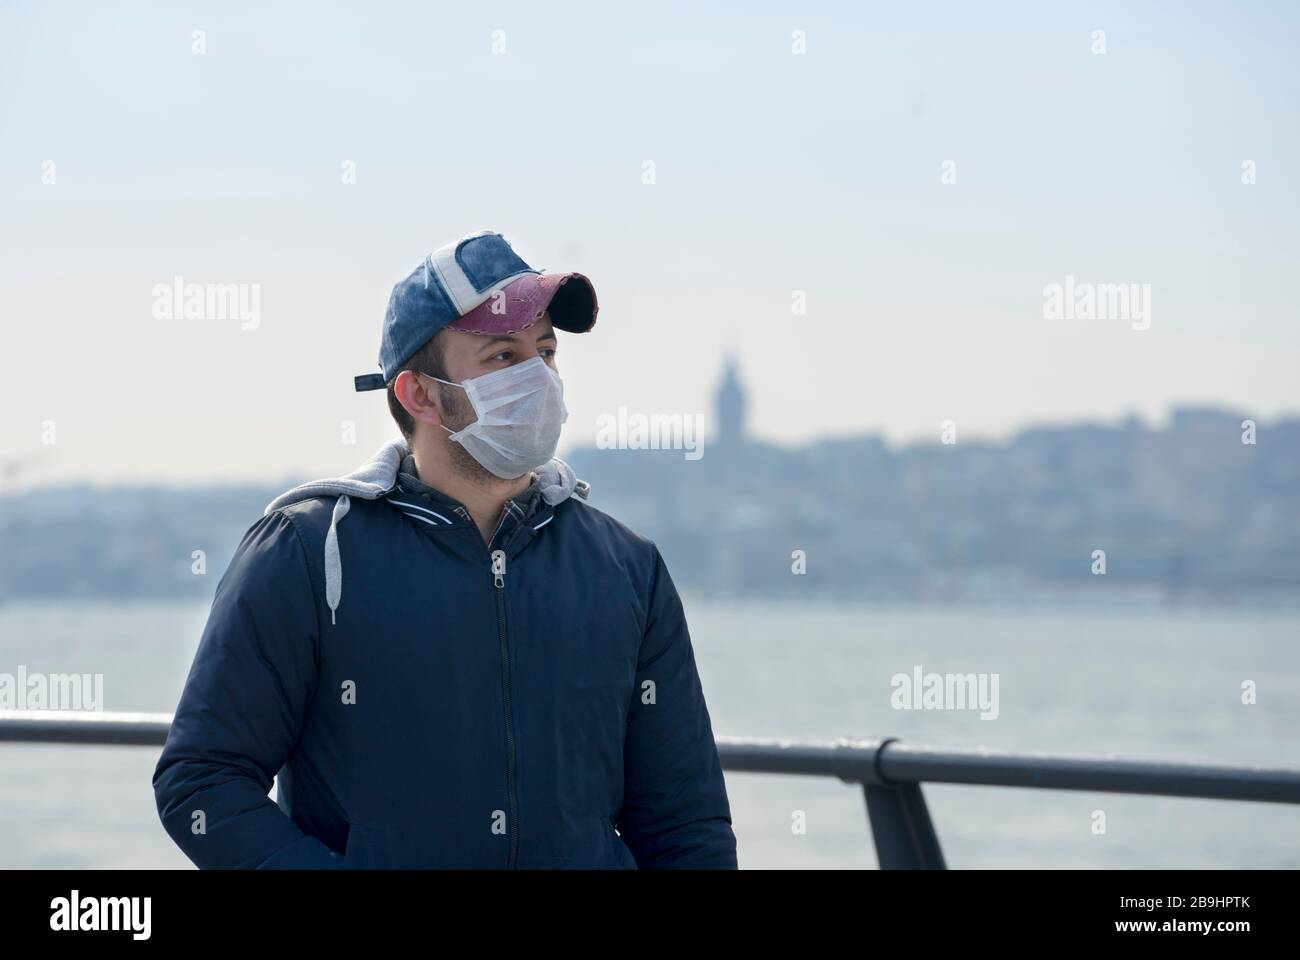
{"points": [[514, 512]]}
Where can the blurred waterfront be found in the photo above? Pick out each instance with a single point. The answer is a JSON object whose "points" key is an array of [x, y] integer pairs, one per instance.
{"points": [[1143, 680]]}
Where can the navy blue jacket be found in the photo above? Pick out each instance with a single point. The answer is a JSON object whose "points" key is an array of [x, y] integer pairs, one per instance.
{"points": [[537, 709]]}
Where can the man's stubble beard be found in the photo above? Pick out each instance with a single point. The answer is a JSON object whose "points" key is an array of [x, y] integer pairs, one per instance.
{"points": [[460, 412]]}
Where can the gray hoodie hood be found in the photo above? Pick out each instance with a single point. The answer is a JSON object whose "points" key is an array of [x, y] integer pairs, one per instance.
{"points": [[376, 478]]}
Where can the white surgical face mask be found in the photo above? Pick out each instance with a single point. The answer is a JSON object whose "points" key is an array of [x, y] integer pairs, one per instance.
{"points": [[519, 410]]}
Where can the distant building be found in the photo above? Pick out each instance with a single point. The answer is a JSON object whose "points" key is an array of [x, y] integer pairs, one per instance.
{"points": [[729, 405]]}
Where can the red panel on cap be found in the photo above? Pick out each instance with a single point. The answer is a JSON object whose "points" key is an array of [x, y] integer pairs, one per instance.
{"points": [[516, 306]]}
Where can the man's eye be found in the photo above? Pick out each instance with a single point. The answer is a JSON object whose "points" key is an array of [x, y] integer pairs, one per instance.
{"points": [[504, 355], [547, 352]]}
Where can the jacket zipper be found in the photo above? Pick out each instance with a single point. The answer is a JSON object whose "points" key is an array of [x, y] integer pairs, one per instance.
{"points": [[499, 583]]}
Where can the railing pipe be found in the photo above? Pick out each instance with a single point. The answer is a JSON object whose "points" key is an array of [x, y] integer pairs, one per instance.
{"points": [[890, 773]]}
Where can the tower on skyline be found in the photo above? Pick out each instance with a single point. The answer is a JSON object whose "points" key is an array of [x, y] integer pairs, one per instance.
{"points": [[729, 406]]}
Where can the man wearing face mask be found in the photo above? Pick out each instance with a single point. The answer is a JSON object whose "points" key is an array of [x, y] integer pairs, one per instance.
{"points": [[448, 658]]}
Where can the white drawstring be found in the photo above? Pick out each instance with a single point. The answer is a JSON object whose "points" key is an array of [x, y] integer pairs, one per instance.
{"points": [[333, 561]]}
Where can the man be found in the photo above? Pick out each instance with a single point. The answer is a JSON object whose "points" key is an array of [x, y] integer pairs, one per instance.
{"points": [[448, 659]]}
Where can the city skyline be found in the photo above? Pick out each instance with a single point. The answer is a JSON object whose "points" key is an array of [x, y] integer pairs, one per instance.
{"points": [[1203, 507], [727, 411]]}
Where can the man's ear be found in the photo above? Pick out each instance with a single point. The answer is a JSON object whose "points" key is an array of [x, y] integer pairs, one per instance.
{"points": [[418, 397]]}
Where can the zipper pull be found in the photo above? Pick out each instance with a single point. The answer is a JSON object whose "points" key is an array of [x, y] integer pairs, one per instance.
{"points": [[499, 568]]}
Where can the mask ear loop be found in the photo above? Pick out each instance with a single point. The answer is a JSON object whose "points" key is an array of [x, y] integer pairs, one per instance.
{"points": [[451, 384], [440, 380]]}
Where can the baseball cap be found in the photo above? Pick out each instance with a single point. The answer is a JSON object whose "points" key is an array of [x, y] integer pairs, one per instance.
{"points": [[480, 285]]}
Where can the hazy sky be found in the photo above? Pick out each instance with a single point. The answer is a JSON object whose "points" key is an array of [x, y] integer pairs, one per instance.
{"points": [[775, 172]]}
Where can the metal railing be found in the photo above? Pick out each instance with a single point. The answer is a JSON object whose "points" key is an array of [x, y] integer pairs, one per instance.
{"points": [[890, 773]]}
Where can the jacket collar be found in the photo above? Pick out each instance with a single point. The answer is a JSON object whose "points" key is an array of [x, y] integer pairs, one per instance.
{"points": [[515, 511], [377, 478]]}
